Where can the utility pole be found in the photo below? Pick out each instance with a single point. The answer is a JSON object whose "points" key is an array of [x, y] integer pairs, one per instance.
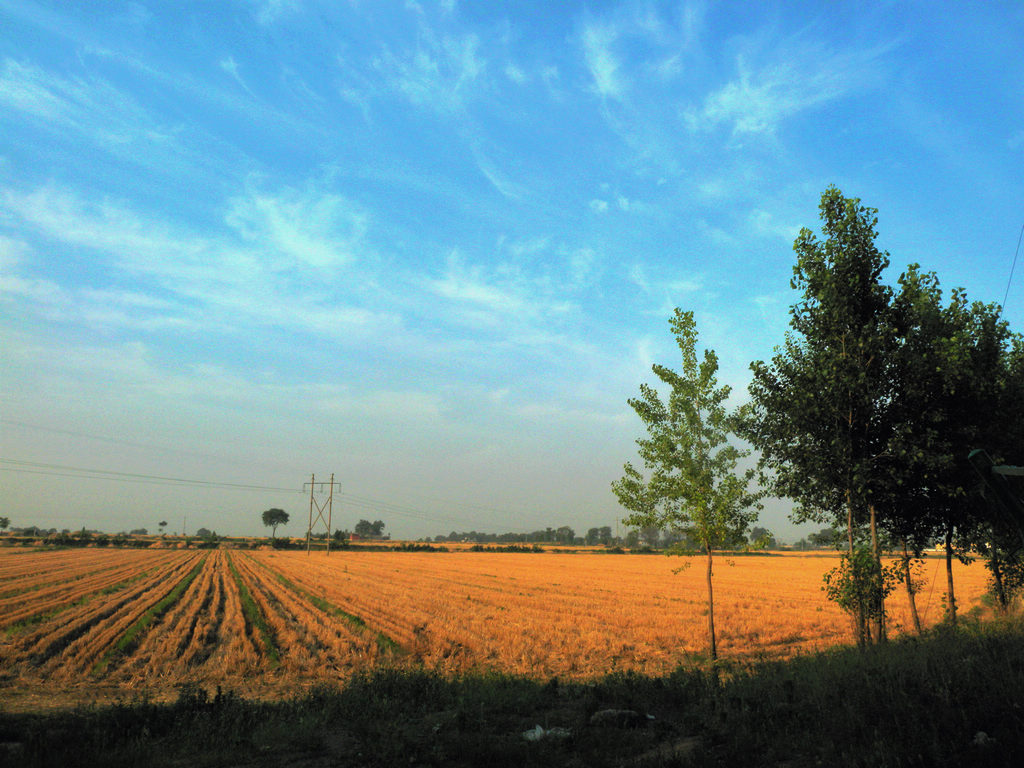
{"points": [[328, 505]]}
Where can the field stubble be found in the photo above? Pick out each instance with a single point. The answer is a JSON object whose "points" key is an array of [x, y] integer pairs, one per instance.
{"points": [[320, 618]]}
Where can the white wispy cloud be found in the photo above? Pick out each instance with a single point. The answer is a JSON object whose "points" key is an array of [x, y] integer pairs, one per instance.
{"points": [[605, 68], [497, 177], [583, 265], [229, 65], [515, 74], [638, 276], [12, 253], [89, 106], [529, 246], [767, 223], [90, 109], [45, 292], [25, 88], [269, 11], [306, 227], [469, 285], [439, 75], [511, 304], [264, 268], [447, 75], [801, 76]]}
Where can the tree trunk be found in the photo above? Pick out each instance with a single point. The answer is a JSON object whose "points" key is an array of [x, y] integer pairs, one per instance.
{"points": [[997, 577], [950, 597], [878, 598], [713, 650], [859, 619], [910, 588]]}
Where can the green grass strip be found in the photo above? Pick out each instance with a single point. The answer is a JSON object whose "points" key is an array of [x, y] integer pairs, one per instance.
{"points": [[131, 638], [255, 617], [384, 642]]}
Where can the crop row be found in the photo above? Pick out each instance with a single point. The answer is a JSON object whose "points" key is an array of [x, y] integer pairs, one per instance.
{"points": [[22, 574]]}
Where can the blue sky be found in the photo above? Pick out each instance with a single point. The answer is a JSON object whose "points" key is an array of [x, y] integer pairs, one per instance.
{"points": [[433, 247]]}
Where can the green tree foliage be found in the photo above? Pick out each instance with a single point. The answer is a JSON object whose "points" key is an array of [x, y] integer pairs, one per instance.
{"points": [[826, 537], [762, 538], [693, 486], [857, 582], [815, 405], [954, 389], [273, 518], [818, 415], [565, 535], [5, 523], [867, 414], [368, 530]]}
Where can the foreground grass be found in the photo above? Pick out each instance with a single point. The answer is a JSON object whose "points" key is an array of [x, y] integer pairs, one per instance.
{"points": [[947, 699]]}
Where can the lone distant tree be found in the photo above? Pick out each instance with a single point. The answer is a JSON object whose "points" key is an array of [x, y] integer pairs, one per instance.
{"points": [[693, 487], [4, 523], [273, 518]]}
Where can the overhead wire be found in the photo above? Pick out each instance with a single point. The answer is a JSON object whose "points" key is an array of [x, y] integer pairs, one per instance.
{"points": [[1013, 265], [105, 474], [403, 510], [88, 473]]}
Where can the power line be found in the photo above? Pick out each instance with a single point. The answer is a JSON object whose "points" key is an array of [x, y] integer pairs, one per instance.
{"points": [[364, 502], [115, 440], [104, 474], [1015, 254]]}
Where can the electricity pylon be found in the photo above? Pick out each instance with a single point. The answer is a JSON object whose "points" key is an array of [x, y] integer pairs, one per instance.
{"points": [[328, 503]]}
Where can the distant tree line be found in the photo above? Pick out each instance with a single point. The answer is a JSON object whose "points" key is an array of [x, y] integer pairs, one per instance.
{"points": [[649, 536]]}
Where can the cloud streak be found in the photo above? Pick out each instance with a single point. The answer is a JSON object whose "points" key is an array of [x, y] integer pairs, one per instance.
{"points": [[801, 77], [265, 268]]}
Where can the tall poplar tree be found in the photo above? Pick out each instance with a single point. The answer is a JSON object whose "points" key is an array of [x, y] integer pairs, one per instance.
{"points": [[818, 413], [692, 486]]}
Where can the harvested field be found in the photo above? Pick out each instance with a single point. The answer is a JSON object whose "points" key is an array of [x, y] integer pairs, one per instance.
{"points": [[94, 623]]}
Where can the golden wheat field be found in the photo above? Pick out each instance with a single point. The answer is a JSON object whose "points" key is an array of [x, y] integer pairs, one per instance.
{"points": [[97, 622]]}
